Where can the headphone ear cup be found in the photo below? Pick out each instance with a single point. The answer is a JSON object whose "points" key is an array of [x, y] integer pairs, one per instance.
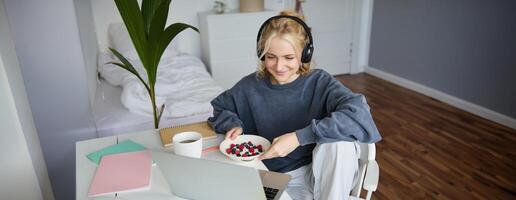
{"points": [[306, 56]]}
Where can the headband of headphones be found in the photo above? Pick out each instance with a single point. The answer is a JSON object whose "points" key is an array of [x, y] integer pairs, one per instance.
{"points": [[308, 49]]}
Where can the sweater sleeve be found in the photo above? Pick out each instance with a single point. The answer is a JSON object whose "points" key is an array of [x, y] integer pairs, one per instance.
{"points": [[349, 118], [225, 116]]}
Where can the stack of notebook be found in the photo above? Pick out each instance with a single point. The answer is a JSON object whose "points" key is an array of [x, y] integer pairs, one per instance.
{"points": [[166, 134], [123, 167]]}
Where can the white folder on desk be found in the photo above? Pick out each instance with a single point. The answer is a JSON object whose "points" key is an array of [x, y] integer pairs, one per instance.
{"points": [[122, 172]]}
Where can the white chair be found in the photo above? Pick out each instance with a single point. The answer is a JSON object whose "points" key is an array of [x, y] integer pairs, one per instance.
{"points": [[368, 172]]}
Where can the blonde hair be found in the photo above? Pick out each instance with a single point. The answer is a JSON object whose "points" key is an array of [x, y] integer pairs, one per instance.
{"points": [[288, 30]]}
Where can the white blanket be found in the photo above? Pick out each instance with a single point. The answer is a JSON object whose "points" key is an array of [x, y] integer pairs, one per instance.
{"points": [[182, 84]]}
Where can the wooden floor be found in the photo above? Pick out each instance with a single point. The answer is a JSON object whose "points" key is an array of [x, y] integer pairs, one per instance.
{"points": [[431, 150]]}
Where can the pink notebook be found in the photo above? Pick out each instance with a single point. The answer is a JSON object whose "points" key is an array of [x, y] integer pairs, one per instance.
{"points": [[122, 172]]}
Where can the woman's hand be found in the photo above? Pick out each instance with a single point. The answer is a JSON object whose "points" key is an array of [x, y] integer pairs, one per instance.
{"points": [[234, 133], [281, 146]]}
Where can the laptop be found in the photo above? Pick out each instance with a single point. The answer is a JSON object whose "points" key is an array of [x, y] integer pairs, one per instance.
{"points": [[201, 179]]}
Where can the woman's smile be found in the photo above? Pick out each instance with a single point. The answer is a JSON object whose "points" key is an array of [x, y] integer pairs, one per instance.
{"points": [[282, 62]]}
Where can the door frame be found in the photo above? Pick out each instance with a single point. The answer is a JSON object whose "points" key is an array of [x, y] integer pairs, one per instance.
{"points": [[362, 20]]}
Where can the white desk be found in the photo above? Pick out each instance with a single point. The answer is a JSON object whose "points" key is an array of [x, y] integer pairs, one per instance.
{"points": [[85, 169]]}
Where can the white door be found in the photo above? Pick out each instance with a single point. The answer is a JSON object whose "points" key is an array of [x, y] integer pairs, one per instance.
{"points": [[331, 22]]}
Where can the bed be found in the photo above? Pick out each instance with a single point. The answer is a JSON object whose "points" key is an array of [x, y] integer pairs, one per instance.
{"points": [[112, 118], [121, 103]]}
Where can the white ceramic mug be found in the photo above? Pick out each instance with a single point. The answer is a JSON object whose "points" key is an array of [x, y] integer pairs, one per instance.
{"points": [[188, 144]]}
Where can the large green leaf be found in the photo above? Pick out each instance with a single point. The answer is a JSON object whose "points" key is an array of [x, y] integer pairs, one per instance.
{"points": [[133, 20], [149, 8], [156, 30], [159, 20], [127, 66], [163, 41]]}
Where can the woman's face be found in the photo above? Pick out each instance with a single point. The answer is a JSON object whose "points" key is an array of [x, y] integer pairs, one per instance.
{"points": [[281, 61]]}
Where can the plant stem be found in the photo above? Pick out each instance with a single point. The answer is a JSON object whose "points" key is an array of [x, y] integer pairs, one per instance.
{"points": [[154, 109]]}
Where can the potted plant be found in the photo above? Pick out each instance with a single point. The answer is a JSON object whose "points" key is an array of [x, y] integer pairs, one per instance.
{"points": [[146, 27]]}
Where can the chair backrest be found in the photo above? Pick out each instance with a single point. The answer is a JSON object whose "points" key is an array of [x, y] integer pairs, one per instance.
{"points": [[367, 153]]}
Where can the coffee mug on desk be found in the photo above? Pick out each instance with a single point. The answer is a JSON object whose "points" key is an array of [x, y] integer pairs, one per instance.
{"points": [[188, 144]]}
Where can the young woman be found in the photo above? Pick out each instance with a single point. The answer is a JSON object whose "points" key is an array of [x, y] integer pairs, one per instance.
{"points": [[312, 119]]}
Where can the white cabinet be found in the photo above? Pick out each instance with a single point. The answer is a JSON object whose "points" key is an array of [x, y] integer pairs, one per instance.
{"points": [[332, 27], [228, 44]]}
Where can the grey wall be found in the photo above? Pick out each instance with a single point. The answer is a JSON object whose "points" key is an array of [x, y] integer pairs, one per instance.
{"points": [[465, 48], [48, 46], [23, 170]]}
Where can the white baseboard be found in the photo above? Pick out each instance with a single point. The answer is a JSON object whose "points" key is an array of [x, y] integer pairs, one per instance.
{"points": [[446, 98]]}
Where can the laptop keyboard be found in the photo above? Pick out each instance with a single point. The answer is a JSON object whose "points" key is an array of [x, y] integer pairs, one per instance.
{"points": [[270, 193]]}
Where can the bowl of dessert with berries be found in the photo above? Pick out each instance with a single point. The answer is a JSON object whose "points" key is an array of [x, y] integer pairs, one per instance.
{"points": [[244, 147]]}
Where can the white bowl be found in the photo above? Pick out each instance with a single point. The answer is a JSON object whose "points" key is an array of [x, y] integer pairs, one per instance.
{"points": [[256, 140]]}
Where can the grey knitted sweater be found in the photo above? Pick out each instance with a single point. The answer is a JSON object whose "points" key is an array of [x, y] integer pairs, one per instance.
{"points": [[315, 106]]}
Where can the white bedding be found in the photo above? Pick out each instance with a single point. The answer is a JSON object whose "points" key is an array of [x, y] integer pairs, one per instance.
{"points": [[183, 85], [112, 118]]}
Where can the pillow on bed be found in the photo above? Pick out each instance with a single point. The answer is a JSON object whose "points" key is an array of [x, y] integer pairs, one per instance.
{"points": [[120, 40]]}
